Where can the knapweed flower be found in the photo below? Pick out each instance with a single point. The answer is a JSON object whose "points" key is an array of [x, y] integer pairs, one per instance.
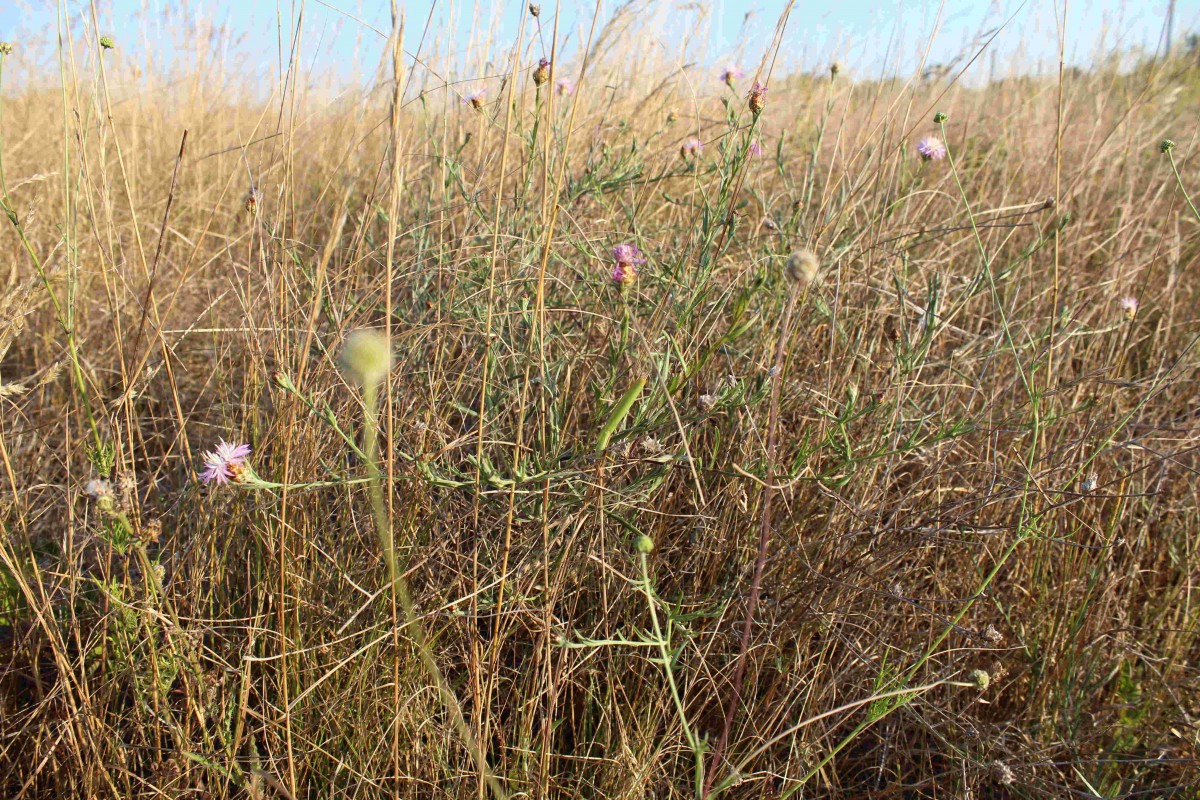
{"points": [[757, 98], [628, 258], [97, 488], [692, 147], [253, 200], [931, 148], [1129, 307], [564, 86], [730, 74], [542, 73], [224, 462], [476, 99]]}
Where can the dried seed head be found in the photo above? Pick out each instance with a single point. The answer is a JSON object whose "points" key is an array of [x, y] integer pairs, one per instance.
{"points": [[834, 69], [151, 531], [1003, 774], [367, 357], [993, 635], [803, 266], [535, 10]]}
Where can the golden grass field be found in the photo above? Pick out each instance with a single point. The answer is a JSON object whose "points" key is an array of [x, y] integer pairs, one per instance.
{"points": [[913, 516]]}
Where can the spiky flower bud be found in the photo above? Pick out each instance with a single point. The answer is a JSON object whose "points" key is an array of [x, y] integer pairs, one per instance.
{"points": [[939, 118], [107, 43], [1166, 146], [367, 357], [644, 544], [803, 266], [542, 73]]}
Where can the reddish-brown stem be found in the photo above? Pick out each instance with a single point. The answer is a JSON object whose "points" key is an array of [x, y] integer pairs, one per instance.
{"points": [[764, 542]]}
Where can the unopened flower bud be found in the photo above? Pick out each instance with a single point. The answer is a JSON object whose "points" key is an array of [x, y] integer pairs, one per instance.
{"points": [[644, 544], [1166, 146], [367, 357], [939, 118], [803, 266], [5, 49], [535, 10], [981, 679], [107, 43]]}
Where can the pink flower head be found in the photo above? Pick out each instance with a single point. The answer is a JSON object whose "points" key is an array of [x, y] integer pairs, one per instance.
{"points": [[476, 98], [1129, 305], [224, 462], [756, 148], [628, 255], [564, 86], [692, 147], [624, 273], [730, 74], [931, 148], [757, 97]]}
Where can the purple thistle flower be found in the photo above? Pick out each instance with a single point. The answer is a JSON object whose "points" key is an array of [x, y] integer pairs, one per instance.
{"points": [[564, 86], [931, 148], [476, 98], [628, 255], [692, 147], [224, 462], [757, 97], [756, 148], [1129, 305], [730, 74], [624, 273]]}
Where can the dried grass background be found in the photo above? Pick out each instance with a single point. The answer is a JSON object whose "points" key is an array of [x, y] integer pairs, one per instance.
{"points": [[944, 401]]}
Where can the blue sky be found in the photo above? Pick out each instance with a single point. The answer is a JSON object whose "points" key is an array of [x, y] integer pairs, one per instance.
{"points": [[868, 37]]}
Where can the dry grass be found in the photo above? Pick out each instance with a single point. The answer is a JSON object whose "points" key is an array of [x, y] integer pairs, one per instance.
{"points": [[909, 439]]}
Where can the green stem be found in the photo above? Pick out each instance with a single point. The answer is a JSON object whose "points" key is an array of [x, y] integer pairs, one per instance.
{"points": [[667, 660]]}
